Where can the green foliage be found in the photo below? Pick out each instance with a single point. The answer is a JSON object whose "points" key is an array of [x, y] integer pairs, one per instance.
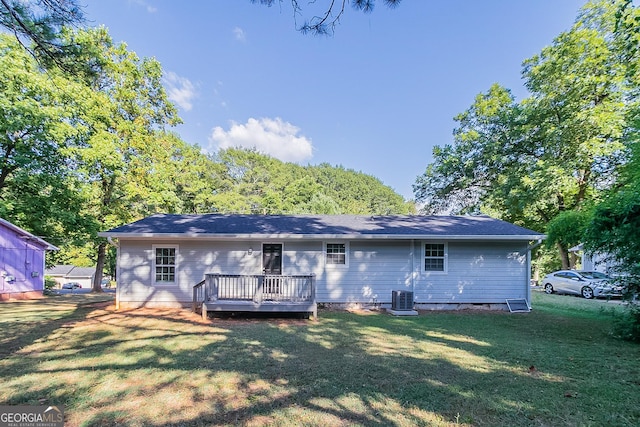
{"points": [[567, 228], [86, 151], [552, 152], [36, 128], [49, 283], [41, 22], [572, 144], [614, 232], [614, 228], [250, 182], [627, 324], [544, 260]]}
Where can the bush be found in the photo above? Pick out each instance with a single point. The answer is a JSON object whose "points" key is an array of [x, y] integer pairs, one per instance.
{"points": [[49, 283], [627, 325]]}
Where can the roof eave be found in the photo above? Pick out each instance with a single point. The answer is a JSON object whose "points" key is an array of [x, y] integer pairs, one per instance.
{"points": [[292, 236], [28, 236]]}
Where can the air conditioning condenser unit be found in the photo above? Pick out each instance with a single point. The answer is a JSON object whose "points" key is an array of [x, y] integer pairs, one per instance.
{"points": [[401, 300]]}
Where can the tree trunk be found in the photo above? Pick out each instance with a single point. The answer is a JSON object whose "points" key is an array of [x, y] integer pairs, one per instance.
{"points": [[573, 260], [97, 277], [564, 256]]}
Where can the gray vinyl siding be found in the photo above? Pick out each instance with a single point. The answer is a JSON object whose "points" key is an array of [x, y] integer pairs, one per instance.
{"points": [[476, 272], [194, 259], [302, 258], [374, 270]]}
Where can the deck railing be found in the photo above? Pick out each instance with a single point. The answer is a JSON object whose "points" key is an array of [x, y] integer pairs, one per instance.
{"points": [[256, 288]]}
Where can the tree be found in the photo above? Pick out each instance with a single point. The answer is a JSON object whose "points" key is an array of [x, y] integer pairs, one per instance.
{"points": [[326, 16], [124, 105], [37, 25], [614, 226], [247, 181], [613, 230], [555, 151], [567, 230], [37, 128], [180, 178]]}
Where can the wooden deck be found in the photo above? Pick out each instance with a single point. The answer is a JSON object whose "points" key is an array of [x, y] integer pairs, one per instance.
{"points": [[255, 293]]}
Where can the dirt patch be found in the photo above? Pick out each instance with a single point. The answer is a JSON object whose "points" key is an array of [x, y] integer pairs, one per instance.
{"points": [[281, 319], [165, 313]]}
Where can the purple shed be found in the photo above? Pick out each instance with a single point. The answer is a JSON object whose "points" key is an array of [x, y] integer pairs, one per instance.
{"points": [[21, 262]]}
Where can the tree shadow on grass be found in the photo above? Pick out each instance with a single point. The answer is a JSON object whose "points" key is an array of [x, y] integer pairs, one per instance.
{"points": [[142, 368]]}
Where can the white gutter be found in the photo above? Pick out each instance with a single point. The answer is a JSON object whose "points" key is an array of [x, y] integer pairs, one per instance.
{"points": [[350, 236], [413, 273], [538, 243]]}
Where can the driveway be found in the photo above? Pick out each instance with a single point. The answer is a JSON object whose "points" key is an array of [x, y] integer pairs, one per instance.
{"points": [[81, 291]]}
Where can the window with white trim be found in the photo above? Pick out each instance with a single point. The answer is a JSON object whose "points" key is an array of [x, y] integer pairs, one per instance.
{"points": [[164, 264], [336, 254], [435, 257]]}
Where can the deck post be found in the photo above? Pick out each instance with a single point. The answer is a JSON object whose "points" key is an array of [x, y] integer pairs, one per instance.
{"points": [[211, 293], [313, 297], [197, 291]]}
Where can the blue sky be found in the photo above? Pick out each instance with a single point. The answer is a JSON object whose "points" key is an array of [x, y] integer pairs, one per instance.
{"points": [[376, 97]]}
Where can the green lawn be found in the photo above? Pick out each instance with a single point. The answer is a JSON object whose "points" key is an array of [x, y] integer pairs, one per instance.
{"points": [[556, 366]]}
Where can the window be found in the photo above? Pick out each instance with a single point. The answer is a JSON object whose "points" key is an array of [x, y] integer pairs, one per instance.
{"points": [[434, 257], [336, 254], [165, 265]]}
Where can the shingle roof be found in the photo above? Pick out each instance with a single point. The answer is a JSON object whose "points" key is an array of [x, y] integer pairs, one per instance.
{"points": [[323, 226], [78, 272], [59, 270], [70, 271]]}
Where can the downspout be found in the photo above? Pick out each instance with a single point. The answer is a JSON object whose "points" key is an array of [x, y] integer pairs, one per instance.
{"points": [[529, 249], [413, 273], [117, 246]]}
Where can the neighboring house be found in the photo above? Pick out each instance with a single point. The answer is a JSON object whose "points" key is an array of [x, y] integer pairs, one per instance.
{"points": [[69, 273], [446, 261], [22, 260], [594, 261]]}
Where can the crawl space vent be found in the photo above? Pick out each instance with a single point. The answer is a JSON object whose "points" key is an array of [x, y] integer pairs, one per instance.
{"points": [[518, 306]]}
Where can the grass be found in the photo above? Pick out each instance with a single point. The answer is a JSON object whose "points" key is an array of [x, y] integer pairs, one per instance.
{"points": [[558, 365]]}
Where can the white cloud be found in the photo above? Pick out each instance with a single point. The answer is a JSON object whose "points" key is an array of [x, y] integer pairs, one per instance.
{"points": [[150, 8], [274, 137], [239, 34], [179, 90]]}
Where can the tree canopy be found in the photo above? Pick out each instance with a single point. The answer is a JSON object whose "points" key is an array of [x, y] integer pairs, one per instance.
{"points": [[90, 150], [250, 182], [322, 17], [38, 26], [557, 150]]}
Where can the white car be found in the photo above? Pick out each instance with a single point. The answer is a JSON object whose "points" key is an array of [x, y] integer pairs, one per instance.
{"points": [[589, 284]]}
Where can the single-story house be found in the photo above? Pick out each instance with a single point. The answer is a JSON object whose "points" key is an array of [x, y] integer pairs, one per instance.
{"points": [[444, 261], [22, 262], [63, 273]]}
